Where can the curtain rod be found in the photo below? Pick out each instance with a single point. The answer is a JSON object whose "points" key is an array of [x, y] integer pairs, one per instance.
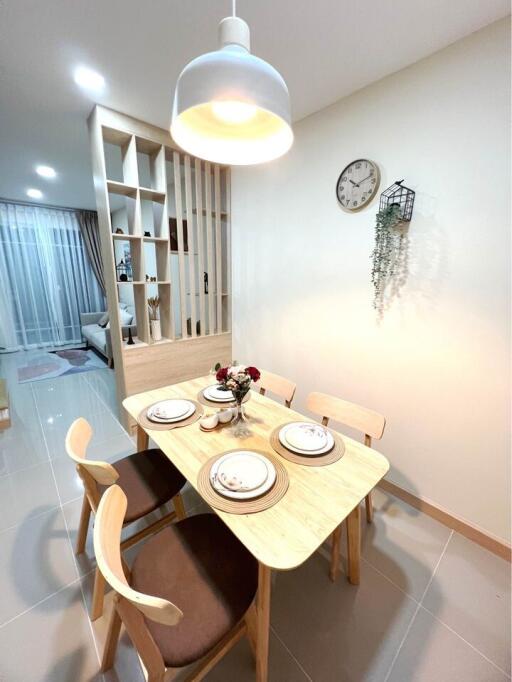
{"points": [[39, 205]]}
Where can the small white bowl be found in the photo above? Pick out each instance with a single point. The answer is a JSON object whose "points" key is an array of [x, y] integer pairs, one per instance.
{"points": [[225, 416]]}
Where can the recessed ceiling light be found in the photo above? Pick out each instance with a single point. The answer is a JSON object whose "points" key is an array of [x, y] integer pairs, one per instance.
{"points": [[89, 79], [46, 171], [34, 193]]}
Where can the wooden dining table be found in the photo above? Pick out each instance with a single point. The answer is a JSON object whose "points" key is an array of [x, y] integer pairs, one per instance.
{"points": [[317, 501]]}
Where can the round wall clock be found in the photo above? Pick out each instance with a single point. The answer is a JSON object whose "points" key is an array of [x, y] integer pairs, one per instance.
{"points": [[357, 184]]}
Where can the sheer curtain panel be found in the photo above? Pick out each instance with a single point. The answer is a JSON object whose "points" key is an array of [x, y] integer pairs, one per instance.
{"points": [[45, 277]]}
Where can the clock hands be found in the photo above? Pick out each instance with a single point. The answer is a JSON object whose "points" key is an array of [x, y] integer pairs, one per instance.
{"points": [[366, 178], [358, 184]]}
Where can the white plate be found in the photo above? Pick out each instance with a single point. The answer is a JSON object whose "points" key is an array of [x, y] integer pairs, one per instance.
{"points": [[170, 409], [309, 437], [217, 395], [244, 494], [242, 471], [312, 453], [158, 420]]}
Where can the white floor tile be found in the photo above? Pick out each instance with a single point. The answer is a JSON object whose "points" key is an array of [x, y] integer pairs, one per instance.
{"points": [[26, 493], [35, 562]]}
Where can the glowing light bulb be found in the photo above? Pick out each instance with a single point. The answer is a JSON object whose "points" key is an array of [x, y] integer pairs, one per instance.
{"points": [[89, 79], [34, 193], [46, 171], [233, 112]]}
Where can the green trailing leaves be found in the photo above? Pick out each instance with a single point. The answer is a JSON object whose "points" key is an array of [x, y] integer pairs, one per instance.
{"points": [[389, 258]]}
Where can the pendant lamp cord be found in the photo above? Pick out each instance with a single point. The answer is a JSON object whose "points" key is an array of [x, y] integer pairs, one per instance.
{"points": [[234, 8]]}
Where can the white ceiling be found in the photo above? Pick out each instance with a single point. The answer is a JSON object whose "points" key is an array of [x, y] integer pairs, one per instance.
{"points": [[325, 49]]}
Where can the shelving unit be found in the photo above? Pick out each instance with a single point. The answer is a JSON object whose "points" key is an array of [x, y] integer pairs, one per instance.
{"points": [[197, 192]]}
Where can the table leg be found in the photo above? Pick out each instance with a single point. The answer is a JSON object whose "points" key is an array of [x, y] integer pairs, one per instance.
{"points": [[263, 622], [142, 439], [354, 545], [335, 554]]}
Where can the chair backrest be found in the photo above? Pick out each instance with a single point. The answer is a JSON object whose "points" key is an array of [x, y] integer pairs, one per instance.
{"points": [[91, 471], [107, 548], [370, 423], [278, 385]]}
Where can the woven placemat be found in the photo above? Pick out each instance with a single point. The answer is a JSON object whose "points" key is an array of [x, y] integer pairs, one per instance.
{"points": [[258, 504], [155, 426], [218, 405], [308, 460]]}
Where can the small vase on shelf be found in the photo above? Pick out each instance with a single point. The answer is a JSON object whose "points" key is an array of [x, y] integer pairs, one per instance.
{"points": [[130, 341], [156, 331]]}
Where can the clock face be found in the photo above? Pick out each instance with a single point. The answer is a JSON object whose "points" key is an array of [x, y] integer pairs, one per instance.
{"points": [[358, 184]]}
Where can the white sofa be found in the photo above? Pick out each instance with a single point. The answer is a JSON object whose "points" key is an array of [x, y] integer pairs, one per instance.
{"points": [[99, 337]]}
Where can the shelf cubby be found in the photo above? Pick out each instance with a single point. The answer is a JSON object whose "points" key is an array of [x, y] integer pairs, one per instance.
{"points": [[162, 261], [121, 188], [151, 165], [127, 210], [152, 195], [154, 217], [141, 311], [133, 247]]}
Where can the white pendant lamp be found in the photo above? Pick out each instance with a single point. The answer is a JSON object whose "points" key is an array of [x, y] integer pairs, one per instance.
{"points": [[231, 107]]}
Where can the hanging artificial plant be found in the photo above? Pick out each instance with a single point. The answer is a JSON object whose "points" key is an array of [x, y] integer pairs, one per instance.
{"points": [[390, 257]]}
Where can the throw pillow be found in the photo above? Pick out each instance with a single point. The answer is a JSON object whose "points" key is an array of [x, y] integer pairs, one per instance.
{"points": [[125, 318], [103, 321]]}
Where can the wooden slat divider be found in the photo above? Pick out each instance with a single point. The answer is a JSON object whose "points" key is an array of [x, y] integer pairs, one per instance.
{"points": [[218, 246], [191, 245], [159, 182], [147, 363], [107, 245], [181, 248], [227, 173], [210, 268], [200, 241]]}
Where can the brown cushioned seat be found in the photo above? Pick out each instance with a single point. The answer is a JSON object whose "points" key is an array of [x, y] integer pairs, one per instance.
{"points": [[201, 567], [148, 479]]}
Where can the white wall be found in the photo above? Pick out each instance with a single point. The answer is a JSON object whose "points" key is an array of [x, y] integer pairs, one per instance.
{"points": [[438, 365]]}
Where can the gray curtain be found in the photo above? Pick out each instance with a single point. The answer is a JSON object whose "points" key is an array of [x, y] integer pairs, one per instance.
{"points": [[88, 221]]}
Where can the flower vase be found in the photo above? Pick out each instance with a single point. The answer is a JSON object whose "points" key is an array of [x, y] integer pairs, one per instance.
{"points": [[156, 331], [239, 416]]}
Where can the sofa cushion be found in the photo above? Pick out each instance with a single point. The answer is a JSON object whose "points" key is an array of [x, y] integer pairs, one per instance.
{"points": [[99, 341], [89, 330]]}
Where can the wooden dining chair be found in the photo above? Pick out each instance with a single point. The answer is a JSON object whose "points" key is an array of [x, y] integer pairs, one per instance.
{"points": [[368, 422], [147, 477], [189, 595], [274, 383]]}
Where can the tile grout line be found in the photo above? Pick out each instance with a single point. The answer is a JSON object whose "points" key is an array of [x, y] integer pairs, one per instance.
{"points": [[325, 553], [32, 517], [116, 417], [70, 545], [290, 653], [395, 657], [472, 646], [41, 601]]}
